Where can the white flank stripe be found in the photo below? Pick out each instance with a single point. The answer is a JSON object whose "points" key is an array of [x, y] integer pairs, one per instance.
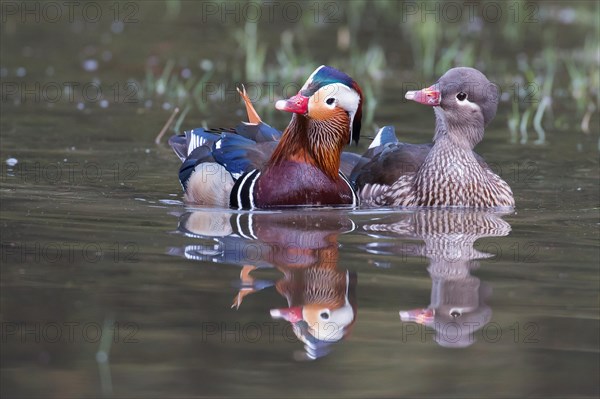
{"points": [[251, 191], [239, 197]]}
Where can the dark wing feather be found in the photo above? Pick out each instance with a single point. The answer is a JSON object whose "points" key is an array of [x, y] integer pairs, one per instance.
{"points": [[251, 145], [260, 132], [393, 161], [198, 156], [185, 144], [349, 160], [239, 154], [387, 159]]}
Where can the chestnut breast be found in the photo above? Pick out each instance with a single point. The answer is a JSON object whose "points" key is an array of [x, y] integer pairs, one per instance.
{"points": [[298, 183]]}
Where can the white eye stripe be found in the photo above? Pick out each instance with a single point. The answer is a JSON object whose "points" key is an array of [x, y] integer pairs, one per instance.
{"points": [[467, 103], [345, 98], [342, 95]]}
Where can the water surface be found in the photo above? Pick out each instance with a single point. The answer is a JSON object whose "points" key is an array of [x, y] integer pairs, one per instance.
{"points": [[112, 287]]}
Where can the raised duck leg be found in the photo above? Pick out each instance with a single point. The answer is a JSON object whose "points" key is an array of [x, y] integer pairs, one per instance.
{"points": [[252, 114], [247, 284]]}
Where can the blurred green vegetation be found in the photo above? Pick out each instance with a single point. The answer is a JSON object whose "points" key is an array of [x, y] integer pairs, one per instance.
{"points": [[544, 54]]}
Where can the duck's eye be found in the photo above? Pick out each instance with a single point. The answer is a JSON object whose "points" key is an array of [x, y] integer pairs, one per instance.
{"points": [[462, 96], [330, 101], [324, 315], [455, 314]]}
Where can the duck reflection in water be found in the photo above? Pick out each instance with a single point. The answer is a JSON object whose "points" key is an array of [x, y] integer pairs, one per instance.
{"points": [[457, 309], [303, 246]]}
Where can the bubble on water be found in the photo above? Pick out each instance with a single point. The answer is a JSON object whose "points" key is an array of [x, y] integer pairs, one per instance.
{"points": [[80, 106], [101, 357], [166, 106], [475, 25], [21, 72], [90, 65], [186, 73], [12, 161], [67, 90], [148, 104], [103, 103], [567, 16], [206, 65], [117, 27], [160, 86]]}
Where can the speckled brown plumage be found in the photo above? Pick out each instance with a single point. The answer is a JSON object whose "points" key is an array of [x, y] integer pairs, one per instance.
{"points": [[447, 173]]}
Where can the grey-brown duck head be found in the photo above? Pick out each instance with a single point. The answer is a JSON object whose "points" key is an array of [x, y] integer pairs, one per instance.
{"points": [[464, 100]]}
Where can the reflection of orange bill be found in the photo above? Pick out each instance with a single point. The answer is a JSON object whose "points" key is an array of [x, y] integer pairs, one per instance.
{"points": [[422, 316]]}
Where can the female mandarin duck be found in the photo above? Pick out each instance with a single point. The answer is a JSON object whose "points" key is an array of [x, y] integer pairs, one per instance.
{"points": [[255, 166], [447, 172]]}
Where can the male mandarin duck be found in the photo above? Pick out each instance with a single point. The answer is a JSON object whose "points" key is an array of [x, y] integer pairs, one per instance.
{"points": [[447, 172], [322, 306], [256, 166], [303, 246]]}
